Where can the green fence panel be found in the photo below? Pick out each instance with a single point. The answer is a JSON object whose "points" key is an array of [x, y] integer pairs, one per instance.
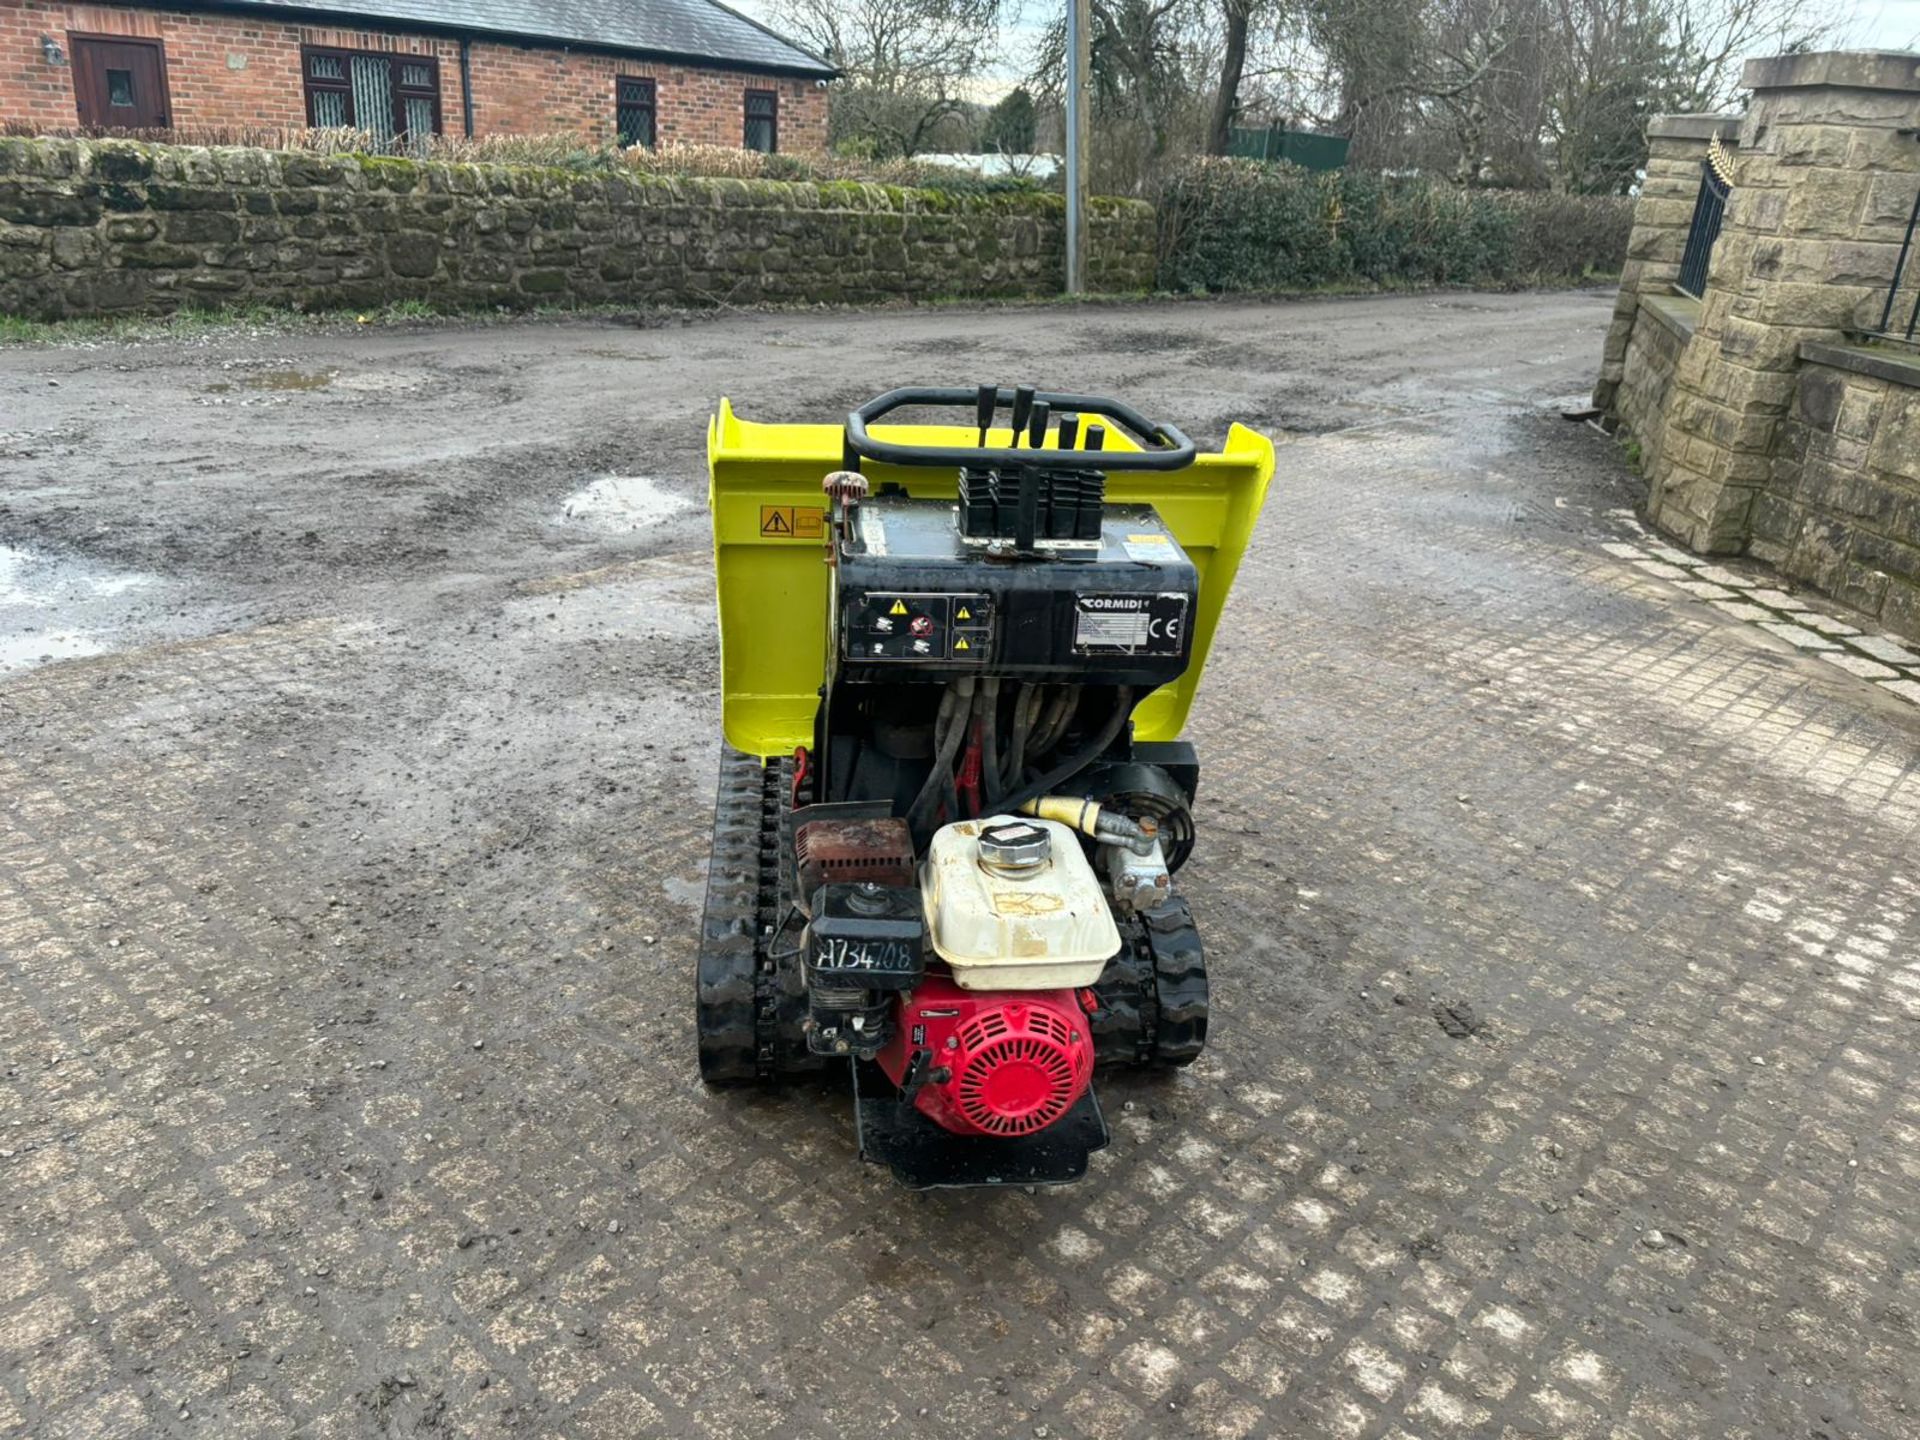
{"points": [[1304, 148]]}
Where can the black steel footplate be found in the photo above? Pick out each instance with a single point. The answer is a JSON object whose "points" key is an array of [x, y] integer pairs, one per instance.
{"points": [[923, 1156]]}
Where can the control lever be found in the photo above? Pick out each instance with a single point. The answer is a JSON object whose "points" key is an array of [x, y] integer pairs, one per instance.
{"points": [[1022, 407], [1096, 437], [916, 1076], [985, 406], [1069, 431], [1037, 431]]}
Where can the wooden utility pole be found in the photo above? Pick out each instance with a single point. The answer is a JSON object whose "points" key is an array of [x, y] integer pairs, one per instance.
{"points": [[1079, 21]]}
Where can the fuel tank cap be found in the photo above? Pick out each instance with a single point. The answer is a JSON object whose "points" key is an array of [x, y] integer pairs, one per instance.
{"points": [[1014, 846]]}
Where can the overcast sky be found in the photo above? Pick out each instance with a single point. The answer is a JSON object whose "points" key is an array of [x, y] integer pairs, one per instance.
{"points": [[1870, 25], [1886, 25]]}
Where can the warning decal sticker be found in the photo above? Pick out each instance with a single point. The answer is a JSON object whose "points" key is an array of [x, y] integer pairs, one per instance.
{"points": [[1130, 624], [1154, 549], [792, 522]]}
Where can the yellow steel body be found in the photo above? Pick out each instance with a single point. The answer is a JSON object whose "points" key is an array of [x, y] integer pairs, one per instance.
{"points": [[769, 558]]}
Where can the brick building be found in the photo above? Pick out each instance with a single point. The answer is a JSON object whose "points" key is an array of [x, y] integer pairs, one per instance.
{"points": [[645, 71]]}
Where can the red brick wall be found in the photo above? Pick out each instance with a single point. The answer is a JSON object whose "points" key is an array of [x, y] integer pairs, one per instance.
{"points": [[234, 71], [529, 91]]}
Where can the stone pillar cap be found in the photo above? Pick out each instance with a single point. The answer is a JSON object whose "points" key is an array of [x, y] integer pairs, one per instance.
{"points": [[1694, 127], [1836, 69]]}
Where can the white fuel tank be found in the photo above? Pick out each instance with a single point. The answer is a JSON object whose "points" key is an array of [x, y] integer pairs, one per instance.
{"points": [[1028, 914]]}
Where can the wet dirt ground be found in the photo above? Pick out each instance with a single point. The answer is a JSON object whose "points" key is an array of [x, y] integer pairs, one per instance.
{"points": [[357, 736]]}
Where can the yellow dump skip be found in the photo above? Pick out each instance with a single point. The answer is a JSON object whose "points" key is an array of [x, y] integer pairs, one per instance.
{"points": [[768, 554]]}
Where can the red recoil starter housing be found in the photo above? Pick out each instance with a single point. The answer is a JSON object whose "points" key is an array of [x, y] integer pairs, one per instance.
{"points": [[999, 1062]]}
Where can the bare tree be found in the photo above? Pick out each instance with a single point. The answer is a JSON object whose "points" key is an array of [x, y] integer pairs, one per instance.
{"points": [[1533, 93], [1238, 15], [1151, 100], [905, 64], [1709, 39]]}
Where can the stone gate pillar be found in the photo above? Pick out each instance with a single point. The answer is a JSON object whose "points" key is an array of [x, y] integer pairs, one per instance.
{"points": [[1662, 213], [1823, 185]]}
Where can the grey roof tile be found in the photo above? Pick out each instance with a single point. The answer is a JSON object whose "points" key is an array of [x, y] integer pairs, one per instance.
{"points": [[696, 29]]}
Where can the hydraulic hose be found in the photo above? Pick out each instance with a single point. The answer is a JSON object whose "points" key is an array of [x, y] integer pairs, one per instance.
{"points": [[949, 729], [1075, 763], [1093, 819], [986, 705], [1026, 709], [1059, 714]]}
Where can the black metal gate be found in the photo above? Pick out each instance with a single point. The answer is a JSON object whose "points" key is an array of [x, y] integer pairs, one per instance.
{"points": [[1906, 276], [1709, 208]]}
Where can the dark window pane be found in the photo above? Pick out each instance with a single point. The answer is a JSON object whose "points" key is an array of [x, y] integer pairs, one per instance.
{"points": [[416, 77], [634, 114], [325, 67], [330, 108], [373, 95], [762, 130], [119, 87], [636, 125], [419, 116]]}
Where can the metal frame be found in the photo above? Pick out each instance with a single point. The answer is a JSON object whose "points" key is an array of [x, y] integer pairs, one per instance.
{"points": [[1886, 329], [1709, 210], [1172, 449]]}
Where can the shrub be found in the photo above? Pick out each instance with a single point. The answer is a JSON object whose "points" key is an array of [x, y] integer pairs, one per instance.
{"points": [[1557, 236], [1245, 225]]}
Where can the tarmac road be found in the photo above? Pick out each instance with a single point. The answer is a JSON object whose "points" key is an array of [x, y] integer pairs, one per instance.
{"points": [[357, 741]]}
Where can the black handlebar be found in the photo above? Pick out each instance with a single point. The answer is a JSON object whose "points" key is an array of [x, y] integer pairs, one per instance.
{"points": [[1166, 448]]}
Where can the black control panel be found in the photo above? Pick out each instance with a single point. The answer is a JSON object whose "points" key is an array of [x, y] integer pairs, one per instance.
{"points": [[916, 626], [913, 597]]}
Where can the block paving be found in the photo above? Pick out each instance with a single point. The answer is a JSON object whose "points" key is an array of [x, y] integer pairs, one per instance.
{"points": [[1562, 908]]}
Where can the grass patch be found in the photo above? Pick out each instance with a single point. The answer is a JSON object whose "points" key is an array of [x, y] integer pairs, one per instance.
{"points": [[190, 323]]}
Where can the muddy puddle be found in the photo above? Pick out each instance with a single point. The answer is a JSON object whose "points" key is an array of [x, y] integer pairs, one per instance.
{"points": [[619, 503], [276, 381], [55, 608]]}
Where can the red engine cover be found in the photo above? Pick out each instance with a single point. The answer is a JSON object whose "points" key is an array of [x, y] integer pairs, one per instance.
{"points": [[1002, 1062]]}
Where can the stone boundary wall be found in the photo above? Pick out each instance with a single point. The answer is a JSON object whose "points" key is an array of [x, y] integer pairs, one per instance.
{"points": [[1824, 180], [1768, 420], [92, 228], [1656, 339], [1842, 509]]}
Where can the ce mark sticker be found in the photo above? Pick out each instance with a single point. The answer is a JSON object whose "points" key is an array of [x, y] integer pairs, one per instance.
{"points": [[1130, 624]]}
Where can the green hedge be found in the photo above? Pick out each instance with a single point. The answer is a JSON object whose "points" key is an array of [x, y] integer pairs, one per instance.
{"points": [[1247, 225]]}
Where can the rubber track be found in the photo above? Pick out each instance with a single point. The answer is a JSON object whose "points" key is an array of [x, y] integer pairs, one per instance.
{"points": [[1153, 994], [781, 987], [725, 968], [750, 999], [1123, 1026], [1180, 980]]}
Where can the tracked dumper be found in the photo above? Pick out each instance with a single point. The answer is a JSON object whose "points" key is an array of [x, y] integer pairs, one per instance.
{"points": [[956, 661]]}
